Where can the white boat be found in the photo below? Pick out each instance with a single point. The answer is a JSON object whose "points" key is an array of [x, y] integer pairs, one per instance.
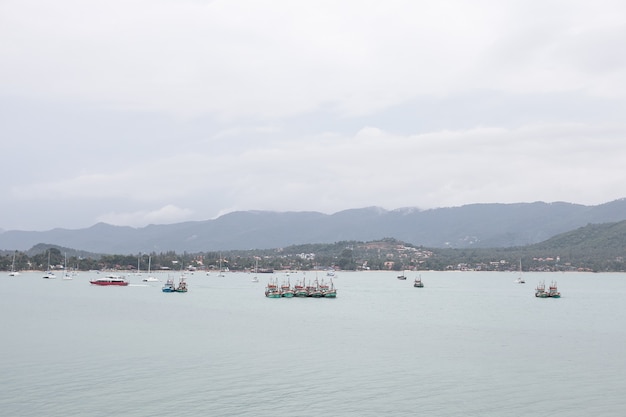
{"points": [[49, 274], [221, 273], [256, 270], [520, 278], [66, 274], [150, 278], [13, 272]]}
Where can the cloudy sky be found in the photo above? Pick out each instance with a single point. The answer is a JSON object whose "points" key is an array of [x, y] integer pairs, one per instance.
{"points": [[141, 112]]}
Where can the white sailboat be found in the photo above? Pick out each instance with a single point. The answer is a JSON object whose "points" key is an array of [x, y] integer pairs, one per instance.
{"points": [[13, 272], [49, 274], [520, 278], [221, 273], [66, 274], [138, 272], [256, 270], [150, 278]]}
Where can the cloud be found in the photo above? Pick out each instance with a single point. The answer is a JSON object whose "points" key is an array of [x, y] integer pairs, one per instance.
{"points": [[273, 60], [164, 215], [112, 109]]}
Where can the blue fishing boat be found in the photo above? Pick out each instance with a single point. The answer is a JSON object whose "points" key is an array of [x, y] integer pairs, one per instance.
{"points": [[169, 286]]}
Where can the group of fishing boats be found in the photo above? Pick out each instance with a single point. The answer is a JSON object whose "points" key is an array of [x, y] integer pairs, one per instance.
{"points": [[171, 287], [552, 292], [313, 289]]}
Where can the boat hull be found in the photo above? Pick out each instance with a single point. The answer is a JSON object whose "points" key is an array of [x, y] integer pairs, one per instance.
{"points": [[108, 284]]}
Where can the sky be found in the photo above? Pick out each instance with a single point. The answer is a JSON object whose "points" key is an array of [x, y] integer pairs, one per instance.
{"points": [[141, 112]]}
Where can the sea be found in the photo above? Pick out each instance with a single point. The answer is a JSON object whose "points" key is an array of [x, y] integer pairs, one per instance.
{"points": [[467, 344]]}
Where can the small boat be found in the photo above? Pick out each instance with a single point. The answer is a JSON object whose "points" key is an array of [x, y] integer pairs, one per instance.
{"points": [[540, 291], [286, 291], [256, 271], [116, 280], [329, 291], [418, 282], [169, 286], [150, 278], [300, 289], [402, 277], [66, 274], [49, 274], [13, 272], [272, 290], [553, 292], [182, 285], [520, 278], [314, 290]]}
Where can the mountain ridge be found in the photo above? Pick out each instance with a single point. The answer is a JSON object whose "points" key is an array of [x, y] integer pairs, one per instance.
{"points": [[472, 225]]}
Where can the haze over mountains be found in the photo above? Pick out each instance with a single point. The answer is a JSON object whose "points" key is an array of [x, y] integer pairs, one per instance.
{"points": [[474, 225]]}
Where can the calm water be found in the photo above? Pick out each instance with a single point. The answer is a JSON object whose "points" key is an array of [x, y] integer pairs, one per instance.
{"points": [[468, 344]]}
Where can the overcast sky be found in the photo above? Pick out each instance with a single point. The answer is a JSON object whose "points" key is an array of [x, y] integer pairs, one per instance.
{"points": [[140, 112]]}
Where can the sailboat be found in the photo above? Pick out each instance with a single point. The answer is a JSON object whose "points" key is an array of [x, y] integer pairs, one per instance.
{"points": [[150, 278], [402, 277], [49, 274], [520, 278], [66, 274], [221, 273], [138, 272], [256, 270], [13, 272]]}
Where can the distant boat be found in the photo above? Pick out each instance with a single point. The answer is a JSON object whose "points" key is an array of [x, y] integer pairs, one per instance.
{"points": [[520, 278], [13, 272], [150, 278], [329, 291], [221, 272], [49, 274], [402, 276], [110, 280], [169, 286], [272, 291], [256, 270], [540, 291], [66, 274], [182, 285], [418, 282], [553, 292]]}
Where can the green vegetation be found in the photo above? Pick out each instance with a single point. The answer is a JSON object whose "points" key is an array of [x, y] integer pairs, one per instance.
{"points": [[595, 247]]}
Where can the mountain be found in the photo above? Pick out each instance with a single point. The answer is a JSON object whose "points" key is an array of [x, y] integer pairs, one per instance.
{"points": [[474, 225]]}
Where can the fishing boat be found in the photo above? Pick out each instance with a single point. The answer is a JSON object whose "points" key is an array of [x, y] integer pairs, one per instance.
{"points": [[418, 282], [314, 290], [169, 286], [553, 292], [300, 289], [272, 290], [402, 276], [110, 280], [286, 290], [182, 285], [329, 291], [520, 278], [540, 291]]}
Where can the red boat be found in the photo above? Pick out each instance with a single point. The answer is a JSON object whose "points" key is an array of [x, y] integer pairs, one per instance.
{"points": [[110, 280]]}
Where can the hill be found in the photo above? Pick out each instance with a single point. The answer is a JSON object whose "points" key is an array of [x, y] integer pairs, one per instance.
{"points": [[469, 226]]}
